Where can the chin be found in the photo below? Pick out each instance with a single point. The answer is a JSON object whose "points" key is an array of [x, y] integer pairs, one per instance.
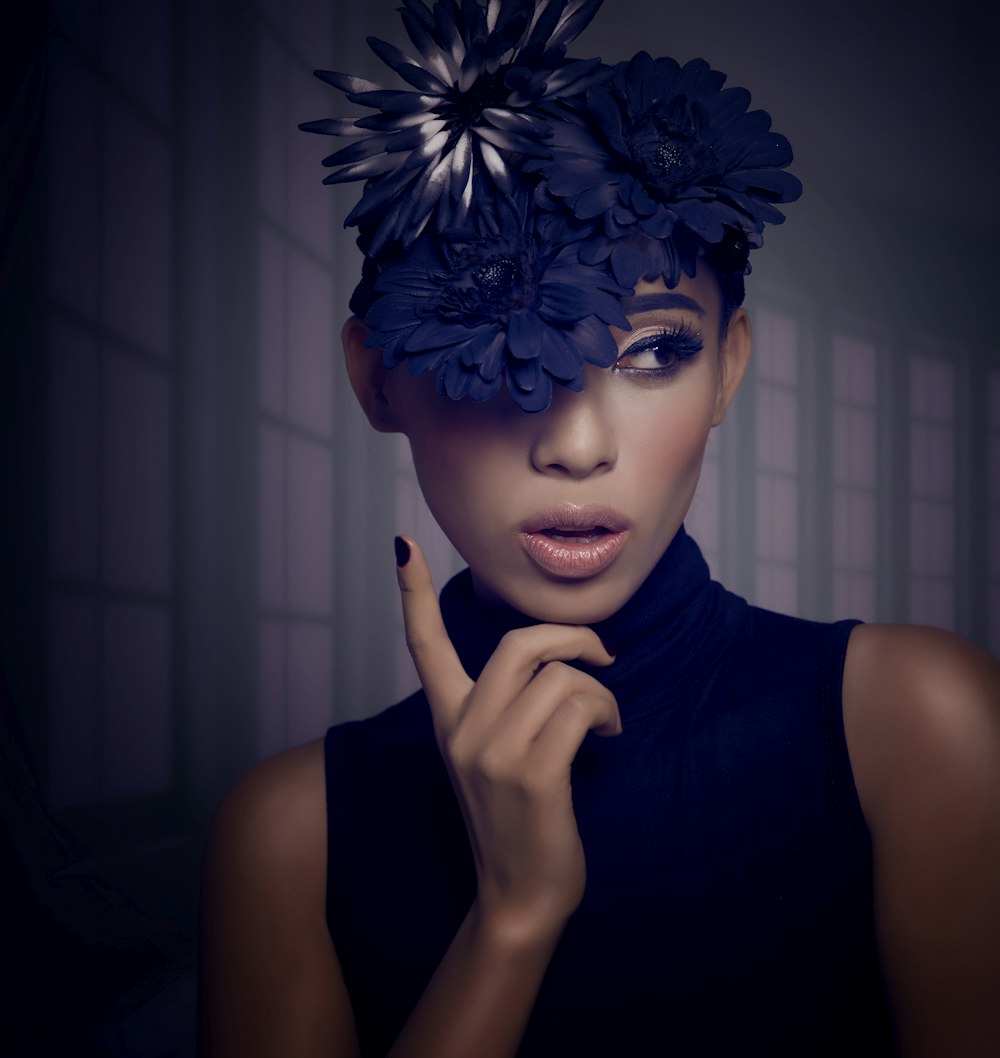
{"points": [[569, 602]]}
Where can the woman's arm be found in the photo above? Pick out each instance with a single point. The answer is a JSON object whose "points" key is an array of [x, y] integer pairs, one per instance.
{"points": [[922, 716], [270, 980]]}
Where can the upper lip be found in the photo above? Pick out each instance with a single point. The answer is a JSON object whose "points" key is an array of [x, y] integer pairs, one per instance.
{"points": [[577, 516]]}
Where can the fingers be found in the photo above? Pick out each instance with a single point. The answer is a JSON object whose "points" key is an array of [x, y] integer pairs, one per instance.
{"points": [[552, 752], [531, 711], [535, 741], [523, 654], [444, 680], [557, 694]]}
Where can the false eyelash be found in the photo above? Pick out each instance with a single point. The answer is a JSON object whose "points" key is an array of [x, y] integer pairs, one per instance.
{"points": [[684, 340]]}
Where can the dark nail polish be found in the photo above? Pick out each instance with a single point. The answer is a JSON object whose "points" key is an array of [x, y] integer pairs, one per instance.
{"points": [[402, 551]]}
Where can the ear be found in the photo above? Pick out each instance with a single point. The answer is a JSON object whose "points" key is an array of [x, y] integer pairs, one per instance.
{"points": [[734, 353], [368, 374]]}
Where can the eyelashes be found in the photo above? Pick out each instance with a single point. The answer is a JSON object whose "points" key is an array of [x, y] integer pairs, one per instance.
{"points": [[662, 354]]}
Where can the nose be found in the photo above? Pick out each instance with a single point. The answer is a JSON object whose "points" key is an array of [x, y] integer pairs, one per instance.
{"points": [[575, 436]]}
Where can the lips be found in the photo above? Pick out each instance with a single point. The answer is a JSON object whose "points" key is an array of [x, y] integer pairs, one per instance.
{"points": [[575, 541]]}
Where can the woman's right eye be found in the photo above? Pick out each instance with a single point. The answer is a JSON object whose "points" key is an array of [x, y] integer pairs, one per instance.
{"points": [[662, 353]]}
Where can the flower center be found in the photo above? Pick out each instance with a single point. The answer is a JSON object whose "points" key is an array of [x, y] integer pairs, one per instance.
{"points": [[666, 144], [498, 277], [669, 159], [464, 110]]}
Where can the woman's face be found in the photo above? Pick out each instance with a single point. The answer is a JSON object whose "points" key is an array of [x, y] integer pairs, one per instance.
{"points": [[562, 514]]}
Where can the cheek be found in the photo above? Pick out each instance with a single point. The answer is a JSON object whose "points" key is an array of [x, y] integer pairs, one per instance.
{"points": [[461, 471], [669, 442]]}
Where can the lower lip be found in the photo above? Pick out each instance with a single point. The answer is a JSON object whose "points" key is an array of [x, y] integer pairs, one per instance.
{"points": [[572, 558]]}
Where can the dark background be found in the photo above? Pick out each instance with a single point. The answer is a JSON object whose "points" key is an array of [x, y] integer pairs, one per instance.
{"points": [[164, 231]]}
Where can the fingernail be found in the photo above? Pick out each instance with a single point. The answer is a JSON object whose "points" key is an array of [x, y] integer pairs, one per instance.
{"points": [[402, 551]]}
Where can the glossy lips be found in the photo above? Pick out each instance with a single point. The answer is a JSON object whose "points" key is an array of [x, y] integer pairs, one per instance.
{"points": [[573, 541]]}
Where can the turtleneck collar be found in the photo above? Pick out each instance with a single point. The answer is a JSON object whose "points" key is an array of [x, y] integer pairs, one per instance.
{"points": [[664, 638]]}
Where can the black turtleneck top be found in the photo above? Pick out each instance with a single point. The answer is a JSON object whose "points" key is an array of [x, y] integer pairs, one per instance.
{"points": [[728, 907]]}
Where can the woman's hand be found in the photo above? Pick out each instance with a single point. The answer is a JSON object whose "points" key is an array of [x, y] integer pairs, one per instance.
{"points": [[508, 741]]}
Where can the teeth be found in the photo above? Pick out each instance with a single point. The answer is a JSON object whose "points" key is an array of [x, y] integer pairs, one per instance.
{"points": [[576, 536]]}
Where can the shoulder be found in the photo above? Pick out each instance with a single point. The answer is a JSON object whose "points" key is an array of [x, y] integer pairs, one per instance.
{"points": [[271, 982], [276, 810], [922, 719], [915, 698]]}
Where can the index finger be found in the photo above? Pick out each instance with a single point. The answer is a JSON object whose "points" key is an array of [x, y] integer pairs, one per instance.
{"points": [[444, 680]]}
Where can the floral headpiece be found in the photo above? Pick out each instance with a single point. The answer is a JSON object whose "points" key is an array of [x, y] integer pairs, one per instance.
{"points": [[513, 195]]}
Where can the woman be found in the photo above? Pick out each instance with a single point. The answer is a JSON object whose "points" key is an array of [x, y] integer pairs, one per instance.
{"points": [[627, 813]]}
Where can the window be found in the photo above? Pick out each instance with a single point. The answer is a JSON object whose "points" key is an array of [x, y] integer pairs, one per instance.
{"points": [[111, 395], [297, 339], [777, 459], [932, 491], [855, 411], [704, 520]]}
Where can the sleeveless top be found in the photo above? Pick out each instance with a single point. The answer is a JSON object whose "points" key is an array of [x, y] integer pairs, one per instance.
{"points": [[728, 906]]}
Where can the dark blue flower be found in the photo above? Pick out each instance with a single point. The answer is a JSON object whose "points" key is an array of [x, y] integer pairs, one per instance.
{"points": [[664, 152], [496, 303], [480, 76]]}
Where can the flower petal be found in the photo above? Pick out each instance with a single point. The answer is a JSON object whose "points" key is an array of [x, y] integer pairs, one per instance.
{"points": [[411, 72]]}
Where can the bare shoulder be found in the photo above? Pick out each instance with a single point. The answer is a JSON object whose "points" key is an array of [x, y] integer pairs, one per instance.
{"points": [[277, 810], [271, 981], [915, 698], [922, 718], [938, 665]]}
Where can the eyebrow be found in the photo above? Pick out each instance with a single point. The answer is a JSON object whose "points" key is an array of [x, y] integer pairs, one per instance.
{"points": [[640, 303]]}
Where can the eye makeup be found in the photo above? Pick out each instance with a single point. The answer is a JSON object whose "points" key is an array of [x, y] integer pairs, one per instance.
{"points": [[666, 351]]}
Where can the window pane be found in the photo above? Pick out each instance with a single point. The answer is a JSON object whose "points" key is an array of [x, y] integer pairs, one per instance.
{"points": [[135, 749], [702, 521], [854, 372], [73, 708], [776, 348], [271, 322], [932, 388], [777, 429], [271, 735], [310, 345], [931, 538], [777, 518], [853, 530], [273, 517], [136, 496], [931, 603], [271, 131], [853, 596], [311, 215], [310, 527], [310, 681], [862, 448], [136, 224], [777, 588]]}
